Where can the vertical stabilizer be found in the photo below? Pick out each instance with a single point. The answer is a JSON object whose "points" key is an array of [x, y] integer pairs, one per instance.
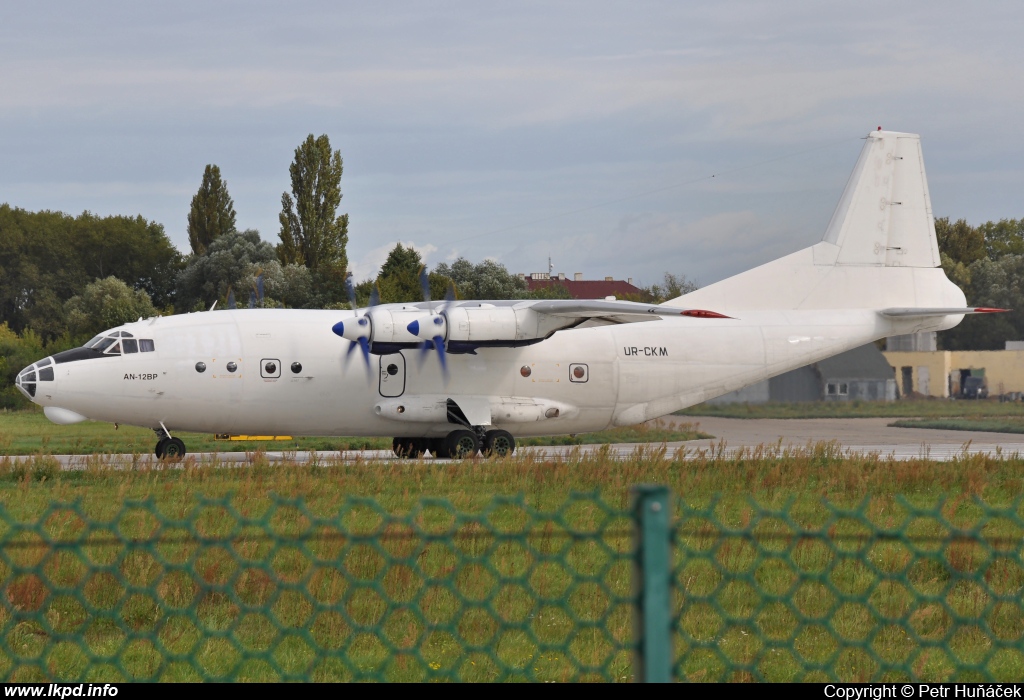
{"points": [[885, 214], [879, 250]]}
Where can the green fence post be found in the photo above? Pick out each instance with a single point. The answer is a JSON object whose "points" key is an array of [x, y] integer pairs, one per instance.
{"points": [[653, 571]]}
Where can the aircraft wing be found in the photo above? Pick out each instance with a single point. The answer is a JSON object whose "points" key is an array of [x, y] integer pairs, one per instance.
{"points": [[584, 308], [904, 312]]}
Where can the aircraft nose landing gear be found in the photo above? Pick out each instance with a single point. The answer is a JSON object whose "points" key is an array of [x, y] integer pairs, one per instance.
{"points": [[168, 447]]}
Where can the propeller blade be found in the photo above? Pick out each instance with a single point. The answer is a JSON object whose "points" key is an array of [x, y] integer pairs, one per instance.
{"points": [[252, 299], [231, 299], [425, 347], [259, 288], [350, 287], [425, 283], [374, 295], [364, 344], [439, 346]]}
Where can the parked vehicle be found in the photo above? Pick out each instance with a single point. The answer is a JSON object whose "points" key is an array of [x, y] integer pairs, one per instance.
{"points": [[974, 388]]}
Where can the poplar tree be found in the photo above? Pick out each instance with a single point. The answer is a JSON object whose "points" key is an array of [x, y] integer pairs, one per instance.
{"points": [[212, 213], [312, 232]]}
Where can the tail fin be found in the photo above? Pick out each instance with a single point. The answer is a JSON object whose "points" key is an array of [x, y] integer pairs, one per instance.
{"points": [[885, 214], [879, 250]]}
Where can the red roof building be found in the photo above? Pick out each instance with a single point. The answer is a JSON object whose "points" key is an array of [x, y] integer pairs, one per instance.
{"points": [[580, 288]]}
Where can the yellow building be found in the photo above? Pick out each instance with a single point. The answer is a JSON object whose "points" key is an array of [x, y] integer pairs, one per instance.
{"points": [[940, 373]]}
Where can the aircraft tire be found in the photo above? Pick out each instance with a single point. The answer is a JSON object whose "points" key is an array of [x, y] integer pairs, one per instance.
{"points": [[462, 444], [174, 449], [499, 443], [160, 446]]}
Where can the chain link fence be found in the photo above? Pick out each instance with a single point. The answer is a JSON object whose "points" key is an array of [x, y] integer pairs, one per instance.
{"points": [[725, 590]]}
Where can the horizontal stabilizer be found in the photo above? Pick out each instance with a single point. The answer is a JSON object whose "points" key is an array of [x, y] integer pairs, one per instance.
{"points": [[921, 311]]}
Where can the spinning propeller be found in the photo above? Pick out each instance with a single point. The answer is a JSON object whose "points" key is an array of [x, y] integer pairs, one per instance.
{"points": [[359, 329], [434, 328]]}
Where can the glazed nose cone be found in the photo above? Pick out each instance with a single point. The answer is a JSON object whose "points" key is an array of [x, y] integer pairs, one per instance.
{"points": [[26, 381]]}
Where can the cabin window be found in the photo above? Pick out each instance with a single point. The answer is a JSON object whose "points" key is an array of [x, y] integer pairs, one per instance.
{"points": [[146, 345]]}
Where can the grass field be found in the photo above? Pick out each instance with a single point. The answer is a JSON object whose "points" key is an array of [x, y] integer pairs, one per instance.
{"points": [[29, 432], [1002, 424], [924, 408], [511, 592]]}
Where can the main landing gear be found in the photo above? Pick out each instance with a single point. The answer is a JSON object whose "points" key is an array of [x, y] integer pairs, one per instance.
{"points": [[458, 444], [168, 447]]}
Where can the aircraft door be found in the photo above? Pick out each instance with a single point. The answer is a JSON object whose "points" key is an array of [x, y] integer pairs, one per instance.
{"points": [[392, 375]]}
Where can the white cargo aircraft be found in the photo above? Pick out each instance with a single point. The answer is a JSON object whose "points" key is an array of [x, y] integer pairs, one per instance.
{"points": [[506, 369]]}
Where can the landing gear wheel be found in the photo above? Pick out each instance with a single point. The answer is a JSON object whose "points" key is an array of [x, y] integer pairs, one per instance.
{"points": [[462, 444], [409, 448], [170, 448], [499, 443]]}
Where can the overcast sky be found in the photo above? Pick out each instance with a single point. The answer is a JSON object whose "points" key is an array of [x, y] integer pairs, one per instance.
{"points": [[585, 131]]}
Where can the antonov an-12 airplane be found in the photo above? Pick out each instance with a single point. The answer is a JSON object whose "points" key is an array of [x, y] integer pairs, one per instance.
{"points": [[498, 370]]}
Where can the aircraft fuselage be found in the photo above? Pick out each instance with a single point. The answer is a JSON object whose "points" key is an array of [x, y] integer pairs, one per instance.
{"points": [[283, 372]]}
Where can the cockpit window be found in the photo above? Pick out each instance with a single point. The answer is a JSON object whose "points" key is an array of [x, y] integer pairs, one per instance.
{"points": [[44, 363], [129, 346], [94, 341], [126, 334], [115, 349], [103, 344], [146, 345]]}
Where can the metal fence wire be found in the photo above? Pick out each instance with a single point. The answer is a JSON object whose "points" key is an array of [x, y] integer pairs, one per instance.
{"points": [[663, 590], [504, 593]]}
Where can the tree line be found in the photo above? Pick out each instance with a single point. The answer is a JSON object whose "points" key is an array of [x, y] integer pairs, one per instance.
{"points": [[987, 262]]}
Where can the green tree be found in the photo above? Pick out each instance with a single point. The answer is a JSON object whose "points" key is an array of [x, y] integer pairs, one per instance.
{"points": [[312, 233], [485, 280], [1003, 237], [996, 283], [104, 304], [399, 278], [960, 241], [287, 286], [48, 257], [672, 286], [212, 213], [226, 265]]}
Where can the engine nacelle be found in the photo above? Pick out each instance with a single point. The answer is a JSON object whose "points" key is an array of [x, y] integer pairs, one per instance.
{"points": [[487, 323], [392, 325]]}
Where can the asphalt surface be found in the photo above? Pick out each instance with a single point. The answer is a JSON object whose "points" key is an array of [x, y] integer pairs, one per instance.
{"points": [[853, 435]]}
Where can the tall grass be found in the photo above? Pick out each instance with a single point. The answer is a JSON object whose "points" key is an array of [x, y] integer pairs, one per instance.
{"points": [[274, 571]]}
